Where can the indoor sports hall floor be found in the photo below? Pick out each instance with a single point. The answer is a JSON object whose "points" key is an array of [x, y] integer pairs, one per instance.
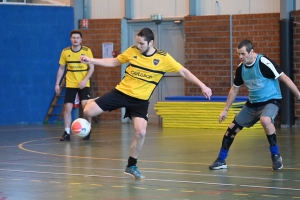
{"points": [[35, 165]]}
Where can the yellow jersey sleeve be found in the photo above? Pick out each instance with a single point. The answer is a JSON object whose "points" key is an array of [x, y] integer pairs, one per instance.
{"points": [[124, 57], [171, 65], [88, 52], [62, 59]]}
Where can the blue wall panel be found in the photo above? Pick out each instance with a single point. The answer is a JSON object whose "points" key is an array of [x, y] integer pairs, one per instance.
{"points": [[32, 38]]}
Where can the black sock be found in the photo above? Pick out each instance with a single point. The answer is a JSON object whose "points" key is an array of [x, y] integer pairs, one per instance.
{"points": [[131, 161], [272, 139], [227, 141]]}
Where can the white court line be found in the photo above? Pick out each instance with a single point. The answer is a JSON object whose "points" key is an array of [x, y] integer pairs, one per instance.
{"points": [[160, 180], [169, 171]]}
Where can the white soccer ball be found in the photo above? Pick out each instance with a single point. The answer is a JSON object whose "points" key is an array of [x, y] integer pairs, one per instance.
{"points": [[81, 127]]}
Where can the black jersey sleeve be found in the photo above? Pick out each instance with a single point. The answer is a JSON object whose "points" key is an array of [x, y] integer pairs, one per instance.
{"points": [[269, 68], [238, 81]]}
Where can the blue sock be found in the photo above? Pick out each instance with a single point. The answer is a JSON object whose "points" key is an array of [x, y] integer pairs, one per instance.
{"points": [[274, 149], [223, 154]]}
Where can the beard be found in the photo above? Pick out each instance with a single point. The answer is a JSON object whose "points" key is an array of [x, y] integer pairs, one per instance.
{"points": [[146, 51]]}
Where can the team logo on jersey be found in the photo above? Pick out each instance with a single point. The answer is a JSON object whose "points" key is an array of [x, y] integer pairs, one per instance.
{"points": [[155, 61]]}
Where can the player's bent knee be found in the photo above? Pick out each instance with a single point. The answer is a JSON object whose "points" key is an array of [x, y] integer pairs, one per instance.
{"points": [[264, 121], [141, 133], [231, 125], [88, 112], [234, 128], [92, 110], [90, 101]]}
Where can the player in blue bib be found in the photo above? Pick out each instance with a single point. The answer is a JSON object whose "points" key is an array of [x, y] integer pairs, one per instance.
{"points": [[261, 76]]}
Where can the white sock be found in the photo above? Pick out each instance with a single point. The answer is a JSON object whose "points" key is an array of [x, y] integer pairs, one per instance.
{"points": [[67, 130]]}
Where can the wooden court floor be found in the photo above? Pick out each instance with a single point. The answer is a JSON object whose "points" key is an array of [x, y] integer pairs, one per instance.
{"points": [[35, 165]]}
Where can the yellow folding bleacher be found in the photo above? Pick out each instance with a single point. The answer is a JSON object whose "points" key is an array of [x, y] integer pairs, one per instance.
{"points": [[191, 114]]}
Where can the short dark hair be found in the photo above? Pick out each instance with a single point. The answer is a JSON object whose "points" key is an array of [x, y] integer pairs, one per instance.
{"points": [[246, 43], [76, 32], [147, 34]]}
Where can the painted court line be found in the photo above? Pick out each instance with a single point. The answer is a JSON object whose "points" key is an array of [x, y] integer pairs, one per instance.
{"points": [[153, 170], [159, 180]]}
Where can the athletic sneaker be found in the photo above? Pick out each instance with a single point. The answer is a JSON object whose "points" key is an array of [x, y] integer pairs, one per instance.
{"points": [[218, 164], [277, 161], [88, 136], [65, 136], [134, 172]]}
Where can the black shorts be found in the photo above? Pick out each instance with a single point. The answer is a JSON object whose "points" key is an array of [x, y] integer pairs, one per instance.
{"points": [[84, 94], [116, 99]]}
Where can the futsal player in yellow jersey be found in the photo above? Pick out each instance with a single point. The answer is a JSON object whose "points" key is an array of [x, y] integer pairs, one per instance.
{"points": [[77, 79], [147, 65]]}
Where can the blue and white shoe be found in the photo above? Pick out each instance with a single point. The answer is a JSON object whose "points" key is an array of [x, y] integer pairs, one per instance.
{"points": [[134, 172]]}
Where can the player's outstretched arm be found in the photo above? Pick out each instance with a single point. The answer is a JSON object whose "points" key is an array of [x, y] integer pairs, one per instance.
{"points": [[60, 73], [230, 99], [186, 74], [105, 62], [290, 84]]}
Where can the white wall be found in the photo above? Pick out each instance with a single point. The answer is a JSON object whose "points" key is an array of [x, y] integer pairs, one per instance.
{"points": [[297, 4], [168, 8], [224, 7], [106, 9], [142, 9]]}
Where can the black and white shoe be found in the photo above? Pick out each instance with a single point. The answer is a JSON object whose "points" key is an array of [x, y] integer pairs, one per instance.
{"points": [[218, 164], [277, 162], [65, 137], [88, 136]]}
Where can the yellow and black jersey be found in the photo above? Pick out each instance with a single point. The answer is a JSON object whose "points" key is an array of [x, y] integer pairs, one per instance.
{"points": [[143, 73], [76, 71]]}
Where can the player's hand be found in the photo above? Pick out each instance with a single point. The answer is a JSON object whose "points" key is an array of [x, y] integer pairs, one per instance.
{"points": [[57, 89], [82, 84], [223, 116], [84, 59], [206, 91]]}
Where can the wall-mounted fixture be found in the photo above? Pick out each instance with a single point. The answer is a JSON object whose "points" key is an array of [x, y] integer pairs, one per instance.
{"points": [[107, 50], [156, 18]]}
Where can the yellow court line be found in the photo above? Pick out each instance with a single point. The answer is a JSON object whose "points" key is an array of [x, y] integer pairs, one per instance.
{"points": [[187, 191], [163, 189], [96, 185], [125, 160], [266, 195], [239, 194], [140, 188]]}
